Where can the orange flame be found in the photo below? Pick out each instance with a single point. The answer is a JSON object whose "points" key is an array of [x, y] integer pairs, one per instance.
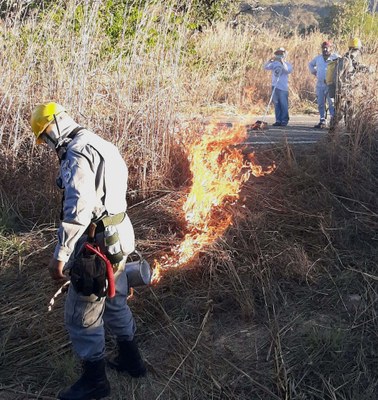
{"points": [[219, 169]]}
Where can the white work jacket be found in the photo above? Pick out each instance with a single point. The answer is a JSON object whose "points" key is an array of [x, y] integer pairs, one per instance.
{"points": [[280, 73], [318, 66]]}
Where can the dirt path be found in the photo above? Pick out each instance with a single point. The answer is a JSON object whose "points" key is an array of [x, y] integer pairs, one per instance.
{"points": [[299, 131]]}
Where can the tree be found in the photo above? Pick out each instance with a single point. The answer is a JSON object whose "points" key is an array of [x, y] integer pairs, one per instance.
{"points": [[354, 17]]}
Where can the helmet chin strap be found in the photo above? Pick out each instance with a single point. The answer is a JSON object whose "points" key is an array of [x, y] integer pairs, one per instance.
{"points": [[51, 142], [52, 139], [58, 136]]}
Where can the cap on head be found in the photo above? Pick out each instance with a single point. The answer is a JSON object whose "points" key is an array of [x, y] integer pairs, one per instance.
{"points": [[42, 116], [355, 43], [326, 44], [280, 50]]}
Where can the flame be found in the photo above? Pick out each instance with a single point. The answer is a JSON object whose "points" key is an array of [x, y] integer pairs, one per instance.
{"points": [[219, 169]]}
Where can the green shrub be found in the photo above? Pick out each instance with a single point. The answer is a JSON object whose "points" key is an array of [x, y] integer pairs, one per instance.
{"points": [[353, 17]]}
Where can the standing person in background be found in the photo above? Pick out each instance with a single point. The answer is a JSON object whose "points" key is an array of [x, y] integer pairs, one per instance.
{"points": [[343, 77], [93, 176], [318, 67], [280, 85]]}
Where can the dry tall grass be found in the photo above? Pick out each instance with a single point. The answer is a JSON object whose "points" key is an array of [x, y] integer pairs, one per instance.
{"points": [[131, 91], [284, 306]]}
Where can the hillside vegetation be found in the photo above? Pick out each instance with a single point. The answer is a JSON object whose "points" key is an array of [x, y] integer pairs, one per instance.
{"points": [[284, 304]]}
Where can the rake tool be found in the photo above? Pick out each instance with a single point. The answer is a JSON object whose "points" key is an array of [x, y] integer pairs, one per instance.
{"points": [[260, 125]]}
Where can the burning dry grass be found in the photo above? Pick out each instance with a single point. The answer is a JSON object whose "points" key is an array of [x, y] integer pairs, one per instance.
{"points": [[283, 305], [218, 168]]}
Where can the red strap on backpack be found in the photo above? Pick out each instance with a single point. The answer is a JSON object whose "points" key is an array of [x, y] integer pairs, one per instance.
{"points": [[109, 268]]}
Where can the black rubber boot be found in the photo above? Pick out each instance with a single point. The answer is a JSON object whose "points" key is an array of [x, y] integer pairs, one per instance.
{"points": [[93, 383], [321, 125], [128, 359]]}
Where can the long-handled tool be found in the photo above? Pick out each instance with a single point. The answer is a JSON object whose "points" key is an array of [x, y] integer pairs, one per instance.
{"points": [[261, 124]]}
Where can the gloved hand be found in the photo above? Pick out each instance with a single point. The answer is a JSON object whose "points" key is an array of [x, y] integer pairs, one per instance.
{"points": [[56, 269]]}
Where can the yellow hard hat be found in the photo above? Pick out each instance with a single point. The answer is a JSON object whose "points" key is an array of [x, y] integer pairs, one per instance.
{"points": [[42, 116], [354, 43]]}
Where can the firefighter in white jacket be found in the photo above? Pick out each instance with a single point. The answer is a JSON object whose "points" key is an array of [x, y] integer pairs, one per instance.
{"points": [[318, 67], [94, 177]]}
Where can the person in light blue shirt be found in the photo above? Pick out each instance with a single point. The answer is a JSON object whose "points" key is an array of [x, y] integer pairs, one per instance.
{"points": [[280, 85], [318, 67]]}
